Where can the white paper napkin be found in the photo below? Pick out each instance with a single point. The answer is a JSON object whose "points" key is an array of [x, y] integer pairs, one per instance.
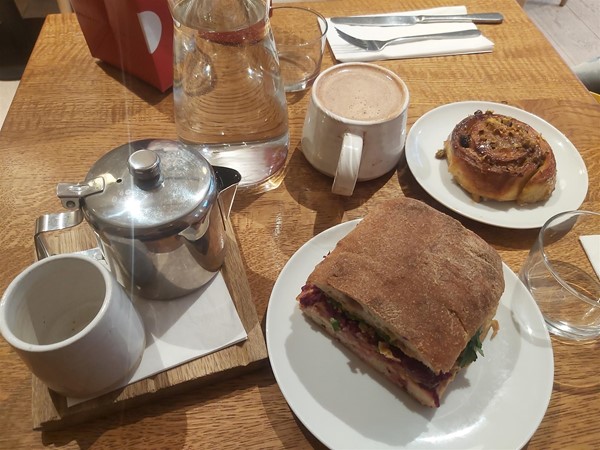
{"points": [[345, 52], [186, 328], [591, 246]]}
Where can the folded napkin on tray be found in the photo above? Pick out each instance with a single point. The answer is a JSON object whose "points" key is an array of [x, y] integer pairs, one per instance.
{"points": [[345, 52], [185, 328]]}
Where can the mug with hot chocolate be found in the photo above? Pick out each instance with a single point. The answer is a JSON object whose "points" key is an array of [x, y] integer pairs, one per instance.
{"points": [[355, 126]]}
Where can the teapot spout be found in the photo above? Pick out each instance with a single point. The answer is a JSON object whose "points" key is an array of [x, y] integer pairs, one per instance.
{"points": [[227, 180]]}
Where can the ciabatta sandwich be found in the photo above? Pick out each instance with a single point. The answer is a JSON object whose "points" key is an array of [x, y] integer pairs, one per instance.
{"points": [[412, 292]]}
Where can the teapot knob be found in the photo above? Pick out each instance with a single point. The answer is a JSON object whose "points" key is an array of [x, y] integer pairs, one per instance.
{"points": [[144, 166]]}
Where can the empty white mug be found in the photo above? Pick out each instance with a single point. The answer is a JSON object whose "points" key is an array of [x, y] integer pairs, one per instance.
{"points": [[355, 126], [73, 325]]}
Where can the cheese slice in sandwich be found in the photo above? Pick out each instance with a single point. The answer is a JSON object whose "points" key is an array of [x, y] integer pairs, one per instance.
{"points": [[412, 292]]}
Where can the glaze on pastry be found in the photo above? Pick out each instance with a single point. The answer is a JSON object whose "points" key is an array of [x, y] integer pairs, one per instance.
{"points": [[497, 157]]}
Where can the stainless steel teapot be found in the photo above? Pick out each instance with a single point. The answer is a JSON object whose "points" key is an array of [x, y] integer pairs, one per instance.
{"points": [[159, 212]]}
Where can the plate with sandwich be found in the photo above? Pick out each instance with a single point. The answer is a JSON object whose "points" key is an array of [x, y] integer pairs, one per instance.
{"points": [[496, 164], [405, 330]]}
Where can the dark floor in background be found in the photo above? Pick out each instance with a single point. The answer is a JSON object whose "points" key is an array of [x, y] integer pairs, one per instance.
{"points": [[17, 38]]}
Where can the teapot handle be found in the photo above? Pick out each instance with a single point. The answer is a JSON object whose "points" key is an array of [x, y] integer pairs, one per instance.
{"points": [[53, 222]]}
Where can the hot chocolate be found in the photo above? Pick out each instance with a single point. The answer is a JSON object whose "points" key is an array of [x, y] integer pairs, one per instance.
{"points": [[361, 92], [355, 124]]}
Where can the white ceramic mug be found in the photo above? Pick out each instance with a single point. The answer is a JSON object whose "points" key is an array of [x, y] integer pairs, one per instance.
{"points": [[73, 325], [355, 126]]}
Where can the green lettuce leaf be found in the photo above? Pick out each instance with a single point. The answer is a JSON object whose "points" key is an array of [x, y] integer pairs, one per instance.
{"points": [[469, 354], [335, 324]]}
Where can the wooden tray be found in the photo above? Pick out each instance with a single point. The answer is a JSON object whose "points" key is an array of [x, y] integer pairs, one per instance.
{"points": [[50, 409]]}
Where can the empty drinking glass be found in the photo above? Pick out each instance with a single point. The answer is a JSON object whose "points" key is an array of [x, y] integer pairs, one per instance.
{"points": [[562, 272]]}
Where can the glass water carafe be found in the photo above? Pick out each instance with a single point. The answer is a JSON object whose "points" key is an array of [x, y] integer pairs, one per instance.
{"points": [[228, 93]]}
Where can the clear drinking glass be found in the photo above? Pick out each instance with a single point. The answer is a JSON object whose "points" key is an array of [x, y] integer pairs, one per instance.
{"points": [[300, 40], [562, 273], [228, 93]]}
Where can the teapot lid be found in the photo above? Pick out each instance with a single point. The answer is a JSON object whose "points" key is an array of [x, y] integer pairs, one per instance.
{"points": [[152, 187]]}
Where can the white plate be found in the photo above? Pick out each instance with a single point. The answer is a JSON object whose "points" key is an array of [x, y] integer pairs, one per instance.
{"points": [[497, 402], [427, 136]]}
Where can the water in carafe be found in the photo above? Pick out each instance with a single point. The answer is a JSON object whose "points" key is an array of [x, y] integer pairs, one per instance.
{"points": [[228, 93]]}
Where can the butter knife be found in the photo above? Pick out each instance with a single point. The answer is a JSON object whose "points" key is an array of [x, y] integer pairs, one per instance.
{"points": [[391, 21]]}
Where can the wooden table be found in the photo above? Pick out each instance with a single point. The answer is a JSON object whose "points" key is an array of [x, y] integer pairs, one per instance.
{"points": [[69, 110]]}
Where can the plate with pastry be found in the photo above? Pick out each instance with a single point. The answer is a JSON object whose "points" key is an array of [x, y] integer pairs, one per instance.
{"points": [[496, 164], [383, 332]]}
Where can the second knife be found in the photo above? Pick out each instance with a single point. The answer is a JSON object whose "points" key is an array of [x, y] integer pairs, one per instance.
{"points": [[395, 20]]}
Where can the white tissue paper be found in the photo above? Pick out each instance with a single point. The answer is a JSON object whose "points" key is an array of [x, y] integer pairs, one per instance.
{"points": [[345, 52], [591, 246], [185, 328]]}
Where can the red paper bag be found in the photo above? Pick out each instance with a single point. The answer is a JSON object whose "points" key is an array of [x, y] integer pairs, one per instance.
{"points": [[133, 35]]}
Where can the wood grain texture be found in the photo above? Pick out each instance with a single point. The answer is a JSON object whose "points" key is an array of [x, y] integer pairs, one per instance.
{"points": [[69, 110]]}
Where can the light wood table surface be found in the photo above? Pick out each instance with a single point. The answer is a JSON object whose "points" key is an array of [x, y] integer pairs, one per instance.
{"points": [[69, 110]]}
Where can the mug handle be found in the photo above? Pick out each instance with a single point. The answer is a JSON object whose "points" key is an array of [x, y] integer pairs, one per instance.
{"points": [[348, 165]]}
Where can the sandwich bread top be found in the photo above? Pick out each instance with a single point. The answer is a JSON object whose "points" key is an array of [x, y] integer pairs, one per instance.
{"points": [[419, 276]]}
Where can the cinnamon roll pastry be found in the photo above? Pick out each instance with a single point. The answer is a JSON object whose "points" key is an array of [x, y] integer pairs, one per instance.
{"points": [[497, 157]]}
